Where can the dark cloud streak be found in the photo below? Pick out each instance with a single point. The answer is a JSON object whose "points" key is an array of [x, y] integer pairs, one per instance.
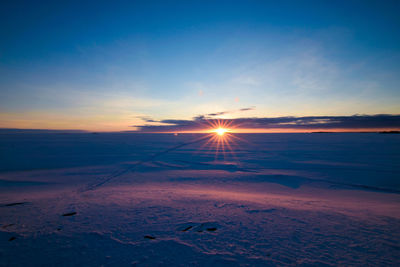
{"points": [[380, 121]]}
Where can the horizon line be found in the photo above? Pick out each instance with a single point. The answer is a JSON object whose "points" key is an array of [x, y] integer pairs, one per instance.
{"points": [[210, 130]]}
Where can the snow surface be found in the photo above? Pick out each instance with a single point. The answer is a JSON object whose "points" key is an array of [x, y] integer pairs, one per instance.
{"points": [[165, 200]]}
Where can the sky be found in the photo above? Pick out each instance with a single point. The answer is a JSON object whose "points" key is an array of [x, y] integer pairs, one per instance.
{"points": [[117, 66]]}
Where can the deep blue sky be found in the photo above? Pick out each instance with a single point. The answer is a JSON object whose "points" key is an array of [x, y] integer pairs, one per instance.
{"points": [[104, 66]]}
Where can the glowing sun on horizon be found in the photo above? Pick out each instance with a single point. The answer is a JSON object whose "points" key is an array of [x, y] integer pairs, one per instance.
{"points": [[220, 131]]}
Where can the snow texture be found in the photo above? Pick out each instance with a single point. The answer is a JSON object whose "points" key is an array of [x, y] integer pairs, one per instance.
{"points": [[123, 199]]}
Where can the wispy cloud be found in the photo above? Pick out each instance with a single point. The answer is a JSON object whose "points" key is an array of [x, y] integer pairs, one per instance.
{"points": [[199, 117], [226, 112]]}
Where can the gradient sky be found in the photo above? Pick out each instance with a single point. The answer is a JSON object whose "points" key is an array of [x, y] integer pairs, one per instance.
{"points": [[107, 66]]}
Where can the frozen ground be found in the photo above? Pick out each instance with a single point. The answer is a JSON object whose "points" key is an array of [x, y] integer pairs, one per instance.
{"points": [[279, 199]]}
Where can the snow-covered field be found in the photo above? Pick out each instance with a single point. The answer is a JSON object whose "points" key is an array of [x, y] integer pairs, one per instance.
{"points": [[165, 200]]}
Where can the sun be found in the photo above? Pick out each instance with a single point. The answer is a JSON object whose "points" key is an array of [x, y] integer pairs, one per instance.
{"points": [[221, 131], [220, 128]]}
